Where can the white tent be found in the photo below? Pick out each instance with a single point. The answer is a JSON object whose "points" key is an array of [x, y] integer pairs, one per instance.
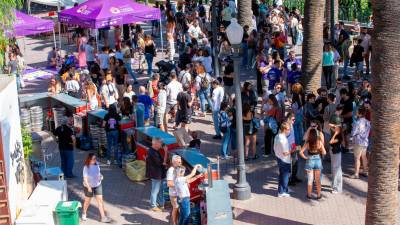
{"points": [[59, 3]]}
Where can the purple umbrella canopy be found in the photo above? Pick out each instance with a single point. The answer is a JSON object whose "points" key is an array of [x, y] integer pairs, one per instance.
{"points": [[105, 13], [27, 25]]}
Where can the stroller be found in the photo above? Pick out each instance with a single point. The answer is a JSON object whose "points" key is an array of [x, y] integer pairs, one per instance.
{"points": [[164, 69]]}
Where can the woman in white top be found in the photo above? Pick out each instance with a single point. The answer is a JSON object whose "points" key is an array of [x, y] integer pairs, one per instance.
{"points": [[182, 189], [92, 186], [129, 92]]}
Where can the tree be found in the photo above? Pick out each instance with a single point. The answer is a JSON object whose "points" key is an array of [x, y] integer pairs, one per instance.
{"points": [[382, 200], [312, 44], [7, 18], [245, 13], [328, 4]]}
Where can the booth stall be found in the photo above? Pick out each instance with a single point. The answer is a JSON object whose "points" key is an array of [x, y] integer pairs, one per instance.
{"points": [[97, 14], [144, 136]]}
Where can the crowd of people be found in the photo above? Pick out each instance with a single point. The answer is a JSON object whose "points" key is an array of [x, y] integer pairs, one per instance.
{"points": [[294, 123]]}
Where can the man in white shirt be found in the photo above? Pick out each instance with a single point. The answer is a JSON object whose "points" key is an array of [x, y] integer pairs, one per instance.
{"points": [[283, 151], [173, 89], [366, 44], [173, 195], [185, 76], [109, 92], [217, 98], [195, 31], [72, 87]]}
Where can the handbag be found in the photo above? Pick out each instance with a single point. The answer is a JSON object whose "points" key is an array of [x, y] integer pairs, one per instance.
{"points": [[256, 123]]}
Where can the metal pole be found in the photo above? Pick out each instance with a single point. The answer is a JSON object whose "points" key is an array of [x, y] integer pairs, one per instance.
{"points": [[214, 38], [332, 12], [54, 39], [161, 36], [59, 24], [241, 190], [96, 36]]}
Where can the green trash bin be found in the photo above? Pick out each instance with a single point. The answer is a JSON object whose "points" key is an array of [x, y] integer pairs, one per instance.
{"points": [[67, 213]]}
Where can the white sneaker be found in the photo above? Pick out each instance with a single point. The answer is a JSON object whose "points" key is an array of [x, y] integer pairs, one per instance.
{"points": [[284, 195], [108, 162], [105, 220], [84, 218]]}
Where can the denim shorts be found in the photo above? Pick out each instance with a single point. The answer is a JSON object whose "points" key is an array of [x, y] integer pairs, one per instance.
{"points": [[313, 163]]}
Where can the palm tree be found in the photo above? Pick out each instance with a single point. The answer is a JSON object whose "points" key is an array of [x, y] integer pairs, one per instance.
{"points": [[328, 12], [382, 199], [312, 44], [245, 13]]}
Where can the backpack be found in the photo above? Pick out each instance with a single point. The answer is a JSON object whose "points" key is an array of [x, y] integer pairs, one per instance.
{"points": [[204, 83], [202, 11], [224, 122]]}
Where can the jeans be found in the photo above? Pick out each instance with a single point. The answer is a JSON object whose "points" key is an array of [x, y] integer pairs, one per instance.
{"points": [[245, 54], [184, 211], [345, 66], [233, 138], [225, 143], [298, 132], [337, 178], [251, 52], [284, 173], [216, 123], [112, 141], [328, 73], [149, 60], [128, 67], [268, 141], [67, 162], [204, 95], [156, 195]]}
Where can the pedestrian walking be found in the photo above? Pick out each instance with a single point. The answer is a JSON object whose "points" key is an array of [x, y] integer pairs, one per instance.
{"points": [[92, 184]]}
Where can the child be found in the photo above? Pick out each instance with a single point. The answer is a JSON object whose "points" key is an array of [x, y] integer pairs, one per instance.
{"points": [[196, 142]]}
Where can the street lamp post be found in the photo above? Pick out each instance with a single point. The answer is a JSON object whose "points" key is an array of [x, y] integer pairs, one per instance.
{"points": [[242, 190]]}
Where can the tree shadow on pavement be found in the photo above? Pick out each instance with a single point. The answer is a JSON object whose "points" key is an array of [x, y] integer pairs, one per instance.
{"points": [[143, 219], [262, 219]]}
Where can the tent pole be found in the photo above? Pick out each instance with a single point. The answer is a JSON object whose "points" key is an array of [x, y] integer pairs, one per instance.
{"points": [[59, 24], [54, 38], [161, 36], [97, 43]]}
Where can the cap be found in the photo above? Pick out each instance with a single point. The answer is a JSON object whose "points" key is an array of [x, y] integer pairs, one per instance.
{"points": [[335, 120]]}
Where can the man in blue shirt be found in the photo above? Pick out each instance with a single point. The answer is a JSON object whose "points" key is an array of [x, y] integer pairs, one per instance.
{"points": [[147, 102], [274, 75]]}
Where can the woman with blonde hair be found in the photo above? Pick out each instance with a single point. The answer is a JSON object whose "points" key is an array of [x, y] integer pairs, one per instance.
{"points": [[203, 87], [54, 86], [92, 95]]}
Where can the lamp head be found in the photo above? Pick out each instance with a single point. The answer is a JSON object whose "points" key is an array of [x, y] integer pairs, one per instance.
{"points": [[234, 32]]}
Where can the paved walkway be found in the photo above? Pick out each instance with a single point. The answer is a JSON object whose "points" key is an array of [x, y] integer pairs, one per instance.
{"points": [[127, 202]]}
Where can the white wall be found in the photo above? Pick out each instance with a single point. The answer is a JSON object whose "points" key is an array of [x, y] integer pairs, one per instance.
{"points": [[12, 141]]}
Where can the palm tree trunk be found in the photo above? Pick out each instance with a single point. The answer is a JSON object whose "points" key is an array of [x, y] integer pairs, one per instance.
{"points": [[382, 200], [245, 13], [312, 44]]}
